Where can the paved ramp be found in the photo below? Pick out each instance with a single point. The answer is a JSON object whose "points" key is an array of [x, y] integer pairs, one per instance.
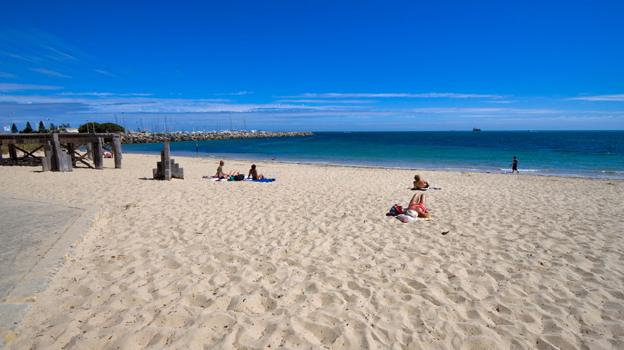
{"points": [[34, 237]]}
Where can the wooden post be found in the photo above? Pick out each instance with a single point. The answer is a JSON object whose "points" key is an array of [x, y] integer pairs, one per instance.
{"points": [[12, 152], [46, 161], [71, 148], [98, 157], [57, 161], [66, 163], [90, 150], [0, 150], [117, 151], [165, 157]]}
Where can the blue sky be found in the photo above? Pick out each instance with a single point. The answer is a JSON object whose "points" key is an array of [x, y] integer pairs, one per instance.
{"points": [[315, 65]]}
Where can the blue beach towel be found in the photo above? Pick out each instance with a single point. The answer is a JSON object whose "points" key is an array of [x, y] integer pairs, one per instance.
{"points": [[262, 180]]}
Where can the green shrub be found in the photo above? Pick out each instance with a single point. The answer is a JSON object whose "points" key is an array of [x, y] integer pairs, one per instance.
{"points": [[100, 127]]}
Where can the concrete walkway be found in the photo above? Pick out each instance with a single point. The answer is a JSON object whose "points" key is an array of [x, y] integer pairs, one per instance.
{"points": [[34, 236]]}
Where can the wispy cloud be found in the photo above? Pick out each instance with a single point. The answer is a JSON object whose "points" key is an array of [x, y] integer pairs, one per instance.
{"points": [[610, 98], [6, 87], [106, 73], [320, 101], [32, 49], [104, 94], [21, 57], [237, 93], [111, 103], [483, 110], [449, 95], [7, 75], [50, 73], [34, 46], [58, 54]]}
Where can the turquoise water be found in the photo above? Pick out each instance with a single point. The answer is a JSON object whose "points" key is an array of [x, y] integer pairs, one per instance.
{"points": [[569, 153]]}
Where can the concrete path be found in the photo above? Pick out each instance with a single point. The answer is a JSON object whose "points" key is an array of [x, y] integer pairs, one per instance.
{"points": [[34, 237]]}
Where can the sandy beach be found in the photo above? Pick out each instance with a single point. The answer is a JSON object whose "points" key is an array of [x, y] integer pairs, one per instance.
{"points": [[311, 261]]}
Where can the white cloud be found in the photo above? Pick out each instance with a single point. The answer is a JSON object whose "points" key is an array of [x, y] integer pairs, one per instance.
{"points": [[611, 98], [50, 73], [451, 95], [5, 87]]}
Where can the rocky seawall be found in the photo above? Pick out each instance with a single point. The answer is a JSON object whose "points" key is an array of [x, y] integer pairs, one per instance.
{"points": [[145, 137]]}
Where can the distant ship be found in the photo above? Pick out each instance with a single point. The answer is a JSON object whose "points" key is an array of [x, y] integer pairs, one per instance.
{"points": [[476, 129]]}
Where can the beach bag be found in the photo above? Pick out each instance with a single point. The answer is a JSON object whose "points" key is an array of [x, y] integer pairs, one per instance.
{"points": [[239, 177], [395, 210]]}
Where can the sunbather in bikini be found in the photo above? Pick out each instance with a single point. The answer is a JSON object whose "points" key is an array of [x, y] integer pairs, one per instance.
{"points": [[416, 207]]}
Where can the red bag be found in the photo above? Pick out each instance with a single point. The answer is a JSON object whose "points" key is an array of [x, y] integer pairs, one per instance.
{"points": [[395, 210], [398, 208]]}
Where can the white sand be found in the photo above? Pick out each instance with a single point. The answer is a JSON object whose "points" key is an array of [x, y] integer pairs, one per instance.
{"points": [[310, 261]]}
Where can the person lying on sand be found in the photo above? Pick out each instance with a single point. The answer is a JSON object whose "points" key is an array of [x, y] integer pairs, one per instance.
{"points": [[420, 184], [221, 174], [416, 207], [253, 173]]}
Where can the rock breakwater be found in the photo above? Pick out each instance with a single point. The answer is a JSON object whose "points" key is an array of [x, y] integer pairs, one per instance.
{"points": [[146, 137]]}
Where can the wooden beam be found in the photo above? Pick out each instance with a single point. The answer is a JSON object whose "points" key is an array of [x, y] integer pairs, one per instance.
{"points": [[81, 158], [41, 139], [29, 154]]}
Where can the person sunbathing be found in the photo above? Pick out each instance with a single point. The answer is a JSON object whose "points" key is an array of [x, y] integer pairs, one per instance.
{"points": [[416, 207], [222, 174], [420, 184], [253, 173]]}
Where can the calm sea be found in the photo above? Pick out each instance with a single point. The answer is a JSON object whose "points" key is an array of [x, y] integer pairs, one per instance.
{"points": [[571, 153]]}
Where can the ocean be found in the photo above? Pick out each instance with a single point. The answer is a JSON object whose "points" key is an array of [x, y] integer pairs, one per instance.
{"points": [[598, 154]]}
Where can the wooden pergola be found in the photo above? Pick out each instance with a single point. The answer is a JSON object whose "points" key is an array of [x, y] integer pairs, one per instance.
{"points": [[62, 150]]}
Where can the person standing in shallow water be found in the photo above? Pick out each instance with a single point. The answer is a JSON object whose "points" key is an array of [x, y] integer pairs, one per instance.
{"points": [[514, 165]]}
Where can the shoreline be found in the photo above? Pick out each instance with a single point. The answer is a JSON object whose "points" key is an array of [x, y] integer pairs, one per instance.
{"points": [[384, 167]]}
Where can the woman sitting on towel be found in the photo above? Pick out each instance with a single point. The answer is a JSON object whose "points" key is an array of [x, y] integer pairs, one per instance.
{"points": [[420, 184], [416, 207], [221, 174], [253, 173]]}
